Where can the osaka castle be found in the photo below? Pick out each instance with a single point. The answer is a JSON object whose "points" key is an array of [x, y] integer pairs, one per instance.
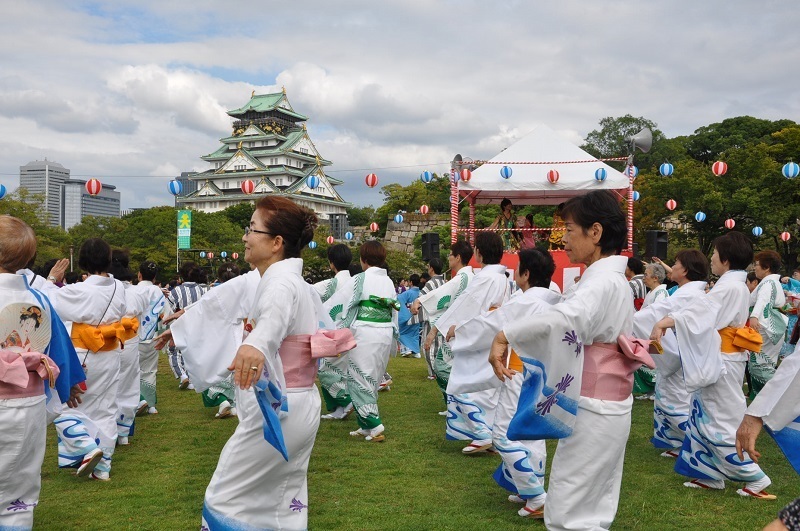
{"points": [[269, 147]]}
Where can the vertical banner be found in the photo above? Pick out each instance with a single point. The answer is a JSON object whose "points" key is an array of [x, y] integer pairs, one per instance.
{"points": [[184, 229]]}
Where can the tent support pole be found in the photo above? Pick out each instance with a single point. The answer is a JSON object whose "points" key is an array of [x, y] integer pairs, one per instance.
{"points": [[472, 221], [630, 207]]}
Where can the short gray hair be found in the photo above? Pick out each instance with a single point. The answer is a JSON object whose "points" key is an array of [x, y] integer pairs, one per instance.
{"points": [[657, 271]]}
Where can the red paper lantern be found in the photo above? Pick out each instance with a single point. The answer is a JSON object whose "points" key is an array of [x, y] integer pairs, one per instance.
{"points": [[373, 227], [330, 240], [210, 255], [93, 187], [423, 209], [719, 168], [248, 186], [371, 180], [552, 176], [465, 175], [730, 224], [785, 236], [672, 204], [235, 256]]}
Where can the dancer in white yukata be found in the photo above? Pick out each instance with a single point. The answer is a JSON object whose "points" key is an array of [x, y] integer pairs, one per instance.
{"points": [[435, 303], [333, 371], [148, 326], [522, 469], [487, 291], [97, 308], [673, 402], [138, 304], [708, 454], [767, 300], [367, 306], [576, 342], [25, 335], [256, 486], [777, 407]]}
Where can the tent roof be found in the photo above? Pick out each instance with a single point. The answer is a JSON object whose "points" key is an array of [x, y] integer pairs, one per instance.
{"points": [[528, 184]]}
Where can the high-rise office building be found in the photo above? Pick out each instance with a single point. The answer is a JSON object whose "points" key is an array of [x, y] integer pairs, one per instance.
{"points": [[45, 178], [77, 203]]}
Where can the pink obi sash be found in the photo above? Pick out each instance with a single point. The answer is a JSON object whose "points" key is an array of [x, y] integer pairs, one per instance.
{"points": [[299, 352], [22, 374], [608, 367]]}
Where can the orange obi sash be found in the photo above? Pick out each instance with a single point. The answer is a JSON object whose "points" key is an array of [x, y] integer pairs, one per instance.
{"points": [[104, 337], [514, 363], [736, 340]]}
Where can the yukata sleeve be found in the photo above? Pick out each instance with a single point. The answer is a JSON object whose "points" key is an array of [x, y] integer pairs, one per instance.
{"points": [[274, 315], [340, 304], [778, 403], [436, 301], [698, 342], [764, 298]]}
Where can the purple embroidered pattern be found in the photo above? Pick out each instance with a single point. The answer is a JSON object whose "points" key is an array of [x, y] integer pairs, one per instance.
{"points": [[19, 505], [297, 505], [204, 528], [543, 407], [571, 338]]}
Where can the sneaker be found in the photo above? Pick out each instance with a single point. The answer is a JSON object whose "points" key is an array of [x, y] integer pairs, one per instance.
{"points": [[89, 461], [152, 411], [375, 434], [142, 408], [224, 410], [184, 384], [405, 353], [122, 441], [416, 355]]}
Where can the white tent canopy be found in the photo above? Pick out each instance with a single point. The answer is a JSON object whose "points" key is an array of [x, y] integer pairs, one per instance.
{"points": [[528, 184]]}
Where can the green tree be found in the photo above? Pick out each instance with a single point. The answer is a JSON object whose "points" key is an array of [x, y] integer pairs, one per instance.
{"points": [[360, 216]]}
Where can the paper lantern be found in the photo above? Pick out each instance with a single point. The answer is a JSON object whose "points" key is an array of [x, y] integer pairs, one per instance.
{"points": [[2, 191], [210, 256], [423, 209], [730, 224], [398, 218], [373, 227], [426, 176], [371, 180], [791, 170], [248, 186], [631, 171], [348, 235], [312, 244], [672, 204], [330, 240], [202, 254], [312, 181], [785, 236], [600, 174], [666, 169], [223, 254], [93, 187], [700, 217], [757, 231], [505, 172], [552, 176], [465, 175], [719, 168], [175, 187], [636, 195], [235, 256]]}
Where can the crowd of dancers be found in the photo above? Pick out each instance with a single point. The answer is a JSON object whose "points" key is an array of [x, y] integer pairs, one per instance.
{"points": [[516, 360]]}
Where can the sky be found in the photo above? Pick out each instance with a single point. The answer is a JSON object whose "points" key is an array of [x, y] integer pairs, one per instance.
{"points": [[133, 93]]}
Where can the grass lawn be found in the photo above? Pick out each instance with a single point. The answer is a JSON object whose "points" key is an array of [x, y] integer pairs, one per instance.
{"points": [[414, 480]]}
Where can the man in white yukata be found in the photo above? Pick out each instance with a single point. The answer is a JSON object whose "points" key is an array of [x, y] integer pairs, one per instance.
{"points": [[673, 402], [522, 469], [420, 316], [487, 291], [435, 303], [333, 371], [708, 453], [575, 346], [767, 300], [148, 326]]}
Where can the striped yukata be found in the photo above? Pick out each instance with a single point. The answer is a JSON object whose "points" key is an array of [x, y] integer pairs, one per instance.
{"points": [[424, 319], [179, 298]]}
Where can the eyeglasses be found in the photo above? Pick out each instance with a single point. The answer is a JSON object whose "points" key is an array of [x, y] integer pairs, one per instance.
{"points": [[248, 230]]}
